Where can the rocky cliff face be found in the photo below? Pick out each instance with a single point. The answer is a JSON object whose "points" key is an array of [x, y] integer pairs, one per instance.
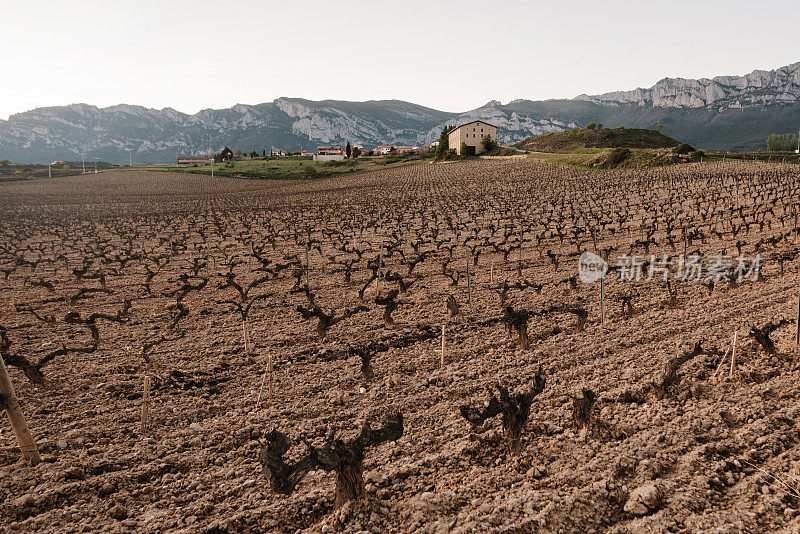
{"points": [[779, 86], [159, 136], [726, 112]]}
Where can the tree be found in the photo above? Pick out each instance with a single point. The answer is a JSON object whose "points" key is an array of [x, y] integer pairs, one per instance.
{"points": [[772, 143], [463, 149], [444, 144], [659, 126], [253, 154], [782, 143], [356, 152], [488, 143], [348, 149], [263, 153], [225, 155], [5, 163], [591, 126]]}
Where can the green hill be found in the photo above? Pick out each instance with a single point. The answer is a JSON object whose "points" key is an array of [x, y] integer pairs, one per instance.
{"points": [[578, 139]]}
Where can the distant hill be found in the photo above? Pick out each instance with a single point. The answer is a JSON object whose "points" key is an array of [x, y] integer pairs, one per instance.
{"points": [[576, 139], [734, 113]]}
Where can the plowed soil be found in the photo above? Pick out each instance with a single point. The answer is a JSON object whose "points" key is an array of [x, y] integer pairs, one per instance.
{"points": [[717, 452]]}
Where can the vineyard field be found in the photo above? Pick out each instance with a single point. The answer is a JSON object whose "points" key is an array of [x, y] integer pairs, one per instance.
{"points": [[408, 349]]}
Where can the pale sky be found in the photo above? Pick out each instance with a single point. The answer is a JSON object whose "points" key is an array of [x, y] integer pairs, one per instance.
{"points": [[449, 55]]}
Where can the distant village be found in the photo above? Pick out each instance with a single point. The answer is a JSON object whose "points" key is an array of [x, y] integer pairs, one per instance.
{"points": [[323, 153], [466, 139]]}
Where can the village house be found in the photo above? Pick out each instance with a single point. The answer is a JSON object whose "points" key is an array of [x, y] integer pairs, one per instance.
{"points": [[330, 153], [427, 147], [277, 152], [405, 149], [330, 150], [472, 135], [382, 150]]}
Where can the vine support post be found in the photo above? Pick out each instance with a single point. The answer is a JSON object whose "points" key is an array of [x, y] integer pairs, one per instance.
{"points": [[602, 296], [8, 401], [246, 341], [685, 239], [441, 356], [797, 332], [268, 371], [271, 377], [519, 252], [602, 300], [469, 281], [733, 353], [380, 263], [308, 266], [145, 404]]}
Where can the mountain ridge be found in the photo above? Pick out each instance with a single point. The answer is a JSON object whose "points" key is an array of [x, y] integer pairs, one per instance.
{"points": [[721, 113], [781, 85]]}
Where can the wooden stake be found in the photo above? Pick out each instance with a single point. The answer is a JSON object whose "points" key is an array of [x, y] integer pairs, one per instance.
{"points": [[8, 401], [733, 354], [308, 267], [380, 262], [246, 338], [469, 284], [267, 371], [602, 300], [797, 335], [722, 361], [271, 378], [491, 273], [441, 358], [145, 403], [684, 243]]}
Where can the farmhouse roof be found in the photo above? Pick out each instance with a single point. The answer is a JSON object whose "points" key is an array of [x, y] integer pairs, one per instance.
{"points": [[472, 122]]}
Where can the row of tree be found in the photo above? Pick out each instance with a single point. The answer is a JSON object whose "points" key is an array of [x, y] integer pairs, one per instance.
{"points": [[782, 143]]}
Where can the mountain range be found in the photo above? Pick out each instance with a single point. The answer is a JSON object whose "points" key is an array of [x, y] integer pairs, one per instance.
{"points": [[735, 113]]}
